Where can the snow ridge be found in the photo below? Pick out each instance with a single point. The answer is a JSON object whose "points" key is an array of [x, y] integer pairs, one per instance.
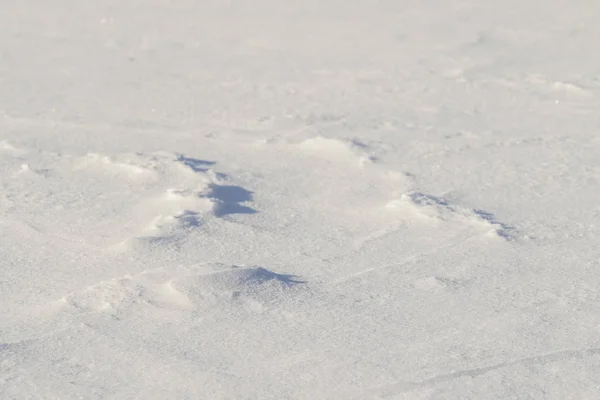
{"points": [[436, 210], [179, 289]]}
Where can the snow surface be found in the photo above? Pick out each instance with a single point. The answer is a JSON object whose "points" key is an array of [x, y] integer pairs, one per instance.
{"points": [[299, 199]]}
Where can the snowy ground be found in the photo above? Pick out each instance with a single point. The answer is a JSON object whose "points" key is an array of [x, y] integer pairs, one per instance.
{"points": [[299, 200]]}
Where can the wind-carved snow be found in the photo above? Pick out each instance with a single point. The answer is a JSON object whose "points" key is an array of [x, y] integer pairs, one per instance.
{"points": [[180, 289], [338, 148], [113, 199], [8, 148], [321, 114], [435, 210]]}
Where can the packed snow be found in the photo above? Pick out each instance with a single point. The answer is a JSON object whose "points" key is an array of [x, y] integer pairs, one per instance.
{"points": [[299, 200]]}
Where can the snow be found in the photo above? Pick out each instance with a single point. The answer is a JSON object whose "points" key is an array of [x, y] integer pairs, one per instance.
{"points": [[299, 200]]}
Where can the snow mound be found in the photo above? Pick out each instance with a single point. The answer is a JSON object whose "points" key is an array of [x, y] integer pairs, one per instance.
{"points": [[339, 148], [435, 210], [7, 147], [124, 165], [111, 200], [179, 290]]}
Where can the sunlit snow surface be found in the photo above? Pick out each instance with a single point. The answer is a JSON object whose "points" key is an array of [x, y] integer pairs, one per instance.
{"points": [[299, 200]]}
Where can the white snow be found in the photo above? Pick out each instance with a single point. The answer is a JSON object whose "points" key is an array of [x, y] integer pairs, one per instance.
{"points": [[299, 200]]}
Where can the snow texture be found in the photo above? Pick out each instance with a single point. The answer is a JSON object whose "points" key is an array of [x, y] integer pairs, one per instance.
{"points": [[299, 200]]}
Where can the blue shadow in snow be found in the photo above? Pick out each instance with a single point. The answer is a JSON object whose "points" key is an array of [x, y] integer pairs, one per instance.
{"points": [[229, 199]]}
